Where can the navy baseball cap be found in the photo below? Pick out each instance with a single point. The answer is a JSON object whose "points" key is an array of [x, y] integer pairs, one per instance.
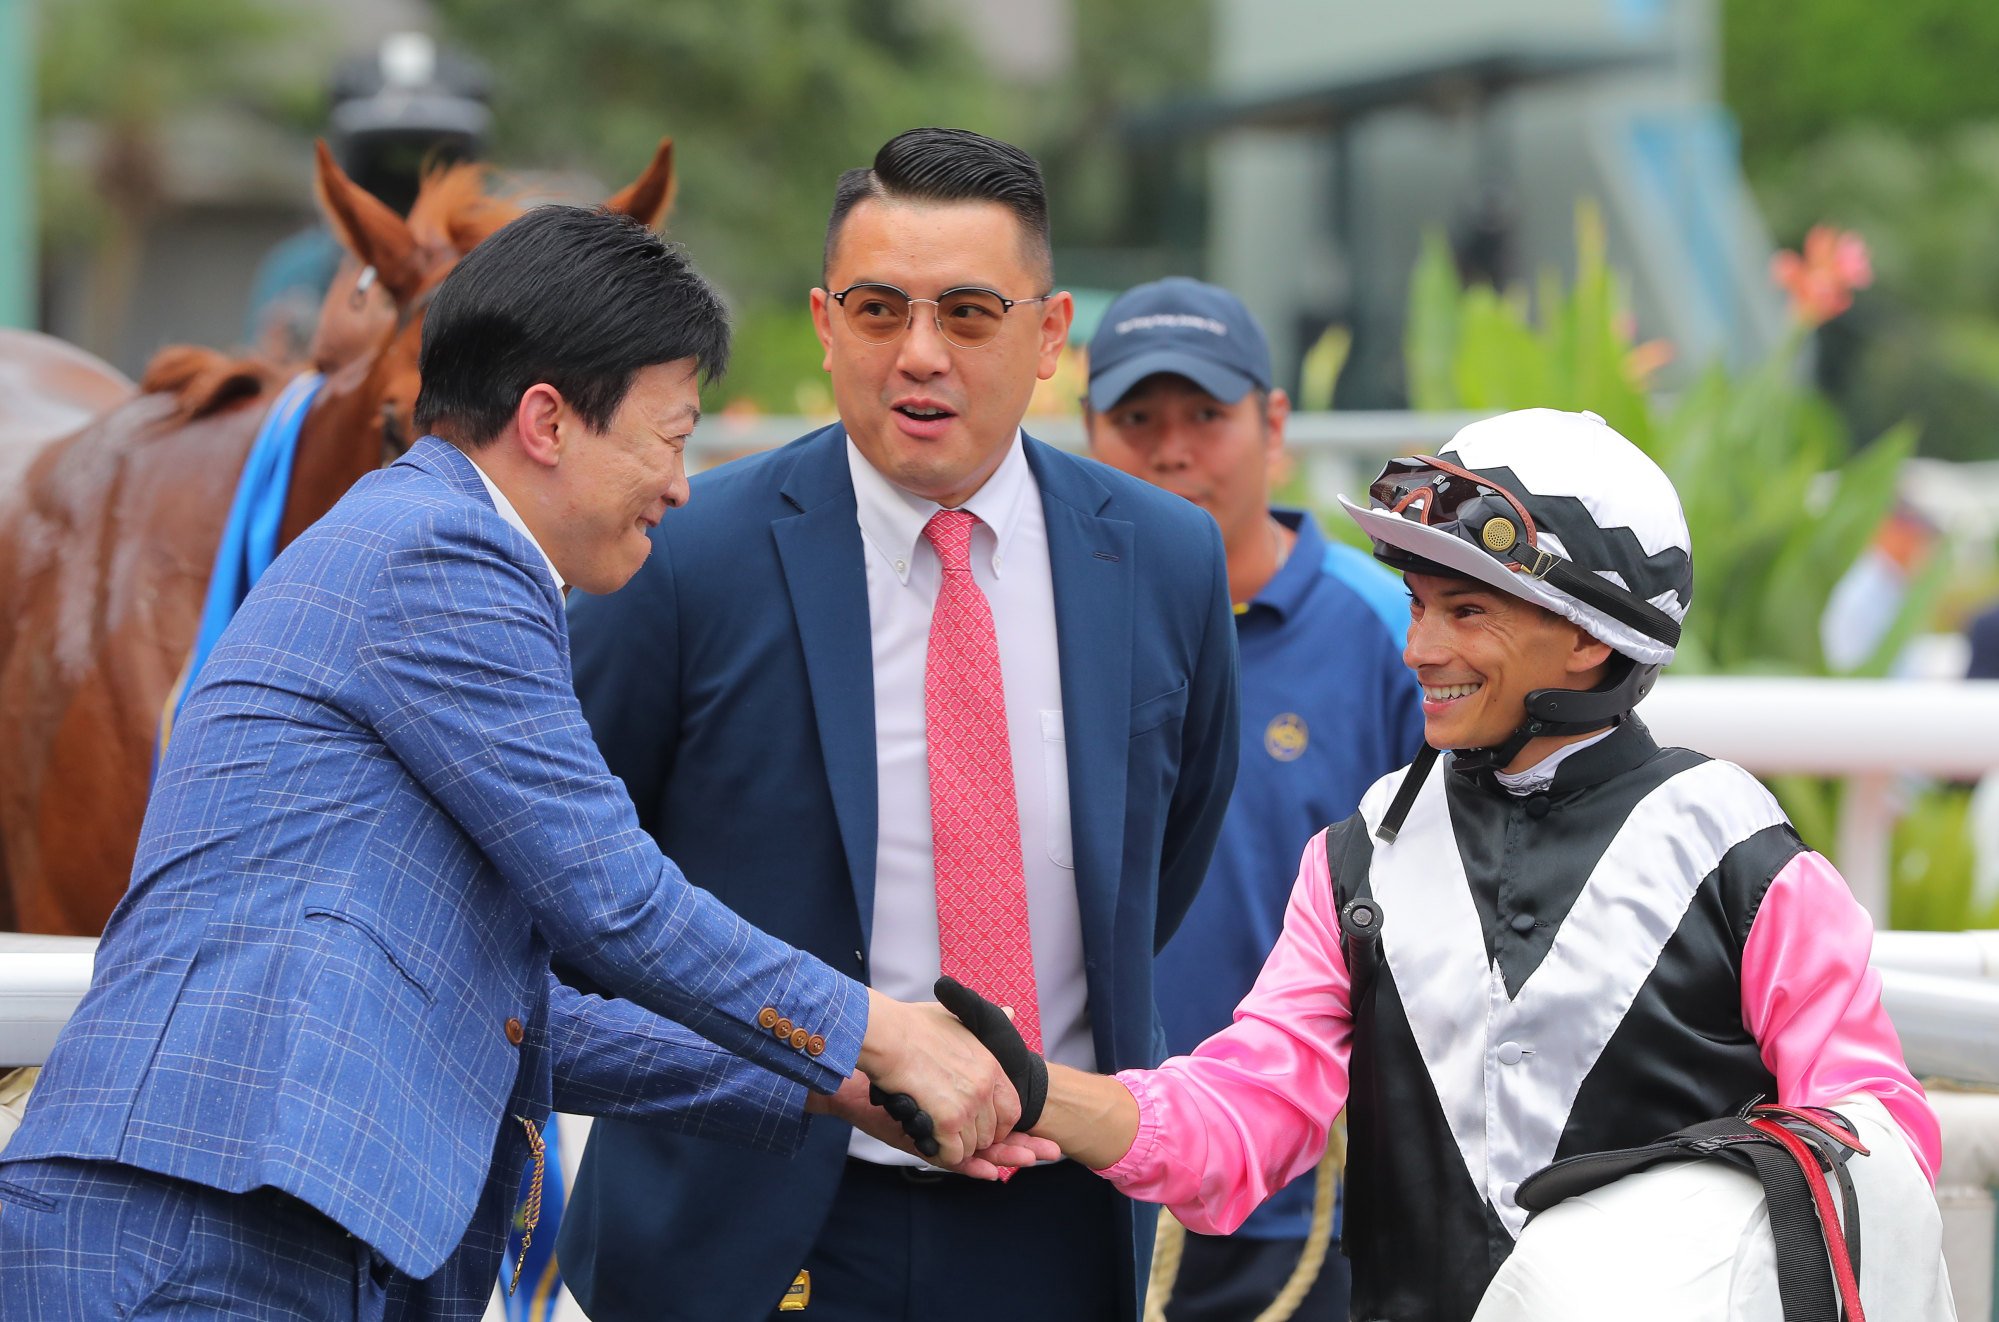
{"points": [[1191, 329]]}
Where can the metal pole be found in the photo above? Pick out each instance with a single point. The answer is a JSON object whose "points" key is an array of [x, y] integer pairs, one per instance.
{"points": [[18, 249]]}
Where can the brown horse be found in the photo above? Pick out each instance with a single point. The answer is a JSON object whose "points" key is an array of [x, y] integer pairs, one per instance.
{"points": [[50, 388], [108, 536]]}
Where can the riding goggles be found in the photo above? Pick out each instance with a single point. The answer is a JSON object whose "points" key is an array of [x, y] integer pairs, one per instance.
{"points": [[1440, 495]]}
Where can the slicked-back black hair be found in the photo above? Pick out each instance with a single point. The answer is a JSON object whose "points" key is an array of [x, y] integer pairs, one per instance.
{"points": [[950, 165], [577, 298]]}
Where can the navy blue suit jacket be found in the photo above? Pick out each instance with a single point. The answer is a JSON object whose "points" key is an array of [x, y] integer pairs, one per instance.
{"points": [[731, 686], [380, 815]]}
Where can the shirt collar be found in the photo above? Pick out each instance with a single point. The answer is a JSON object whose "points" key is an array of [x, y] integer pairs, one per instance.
{"points": [[1286, 590], [505, 509], [1591, 761], [892, 520], [1542, 774]]}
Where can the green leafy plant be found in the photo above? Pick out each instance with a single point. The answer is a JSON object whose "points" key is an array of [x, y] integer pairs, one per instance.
{"points": [[1931, 887], [1777, 510]]}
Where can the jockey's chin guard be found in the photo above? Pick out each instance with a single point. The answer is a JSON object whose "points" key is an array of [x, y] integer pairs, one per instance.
{"points": [[1561, 511]]}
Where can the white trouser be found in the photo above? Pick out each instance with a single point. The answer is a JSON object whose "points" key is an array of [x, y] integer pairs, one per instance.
{"points": [[1692, 1240]]}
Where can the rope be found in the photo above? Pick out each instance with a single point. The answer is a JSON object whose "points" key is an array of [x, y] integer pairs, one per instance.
{"points": [[1171, 1244], [1166, 1251], [530, 1213]]}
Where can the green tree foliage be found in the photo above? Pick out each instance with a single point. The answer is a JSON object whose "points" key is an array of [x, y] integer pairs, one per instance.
{"points": [[1130, 55], [1792, 72], [767, 103]]}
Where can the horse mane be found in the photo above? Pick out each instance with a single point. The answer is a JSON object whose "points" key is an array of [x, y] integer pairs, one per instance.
{"points": [[207, 381], [457, 209]]}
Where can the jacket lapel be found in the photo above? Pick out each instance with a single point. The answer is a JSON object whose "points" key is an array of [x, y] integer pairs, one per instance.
{"points": [[819, 545], [1090, 562]]}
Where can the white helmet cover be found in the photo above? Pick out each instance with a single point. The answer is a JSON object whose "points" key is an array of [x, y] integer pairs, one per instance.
{"points": [[1596, 500]]}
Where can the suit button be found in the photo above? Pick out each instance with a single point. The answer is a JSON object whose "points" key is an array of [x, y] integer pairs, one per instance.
{"points": [[767, 1018], [799, 1037], [782, 1028], [1522, 923], [1511, 1053], [515, 1032], [815, 1045]]}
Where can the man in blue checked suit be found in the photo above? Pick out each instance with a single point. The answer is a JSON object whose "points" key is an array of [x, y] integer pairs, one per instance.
{"points": [[783, 688], [323, 1037]]}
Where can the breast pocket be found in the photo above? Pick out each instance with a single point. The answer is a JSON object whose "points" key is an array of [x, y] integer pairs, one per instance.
{"points": [[1055, 775]]}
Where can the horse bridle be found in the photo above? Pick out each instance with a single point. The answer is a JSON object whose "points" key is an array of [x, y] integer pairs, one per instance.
{"points": [[396, 439]]}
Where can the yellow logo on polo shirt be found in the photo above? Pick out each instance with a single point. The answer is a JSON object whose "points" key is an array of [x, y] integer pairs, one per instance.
{"points": [[1286, 736]]}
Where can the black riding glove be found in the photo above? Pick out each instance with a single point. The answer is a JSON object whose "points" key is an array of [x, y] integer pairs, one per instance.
{"points": [[1025, 1069]]}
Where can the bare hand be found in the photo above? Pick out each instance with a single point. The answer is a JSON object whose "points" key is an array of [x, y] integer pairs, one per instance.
{"points": [[851, 1104], [921, 1050]]}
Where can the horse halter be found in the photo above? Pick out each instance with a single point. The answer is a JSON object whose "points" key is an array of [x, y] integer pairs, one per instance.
{"points": [[396, 438]]}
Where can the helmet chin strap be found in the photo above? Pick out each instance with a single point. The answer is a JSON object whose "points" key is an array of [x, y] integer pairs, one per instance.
{"points": [[1550, 712]]}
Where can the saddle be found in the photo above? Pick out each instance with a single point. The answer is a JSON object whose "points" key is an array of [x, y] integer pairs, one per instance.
{"points": [[1797, 1154]]}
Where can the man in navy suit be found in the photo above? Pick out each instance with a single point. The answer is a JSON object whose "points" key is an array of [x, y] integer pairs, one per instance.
{"points": [[322, 1038], [918, 693]]}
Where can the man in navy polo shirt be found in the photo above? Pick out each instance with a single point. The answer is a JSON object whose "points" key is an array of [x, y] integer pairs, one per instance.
{"points": [[1181, 395]]}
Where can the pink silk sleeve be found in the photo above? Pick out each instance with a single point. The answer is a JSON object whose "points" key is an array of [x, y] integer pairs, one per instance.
{"points": [[1814, 1005], [1222, 1129]]}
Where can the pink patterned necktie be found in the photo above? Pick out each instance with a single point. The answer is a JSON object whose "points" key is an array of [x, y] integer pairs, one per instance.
{"points": [[974, 820]]}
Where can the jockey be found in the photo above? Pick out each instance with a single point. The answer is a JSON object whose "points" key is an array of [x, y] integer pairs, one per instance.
{"points": [[398, 111], [1549, 936]]}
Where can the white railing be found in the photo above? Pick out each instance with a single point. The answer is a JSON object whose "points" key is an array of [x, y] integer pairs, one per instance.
{"points": [[1868, 730]]}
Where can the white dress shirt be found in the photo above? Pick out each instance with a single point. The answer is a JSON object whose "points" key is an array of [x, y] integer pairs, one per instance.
{"points": [[1010, 564], [507, 511]]}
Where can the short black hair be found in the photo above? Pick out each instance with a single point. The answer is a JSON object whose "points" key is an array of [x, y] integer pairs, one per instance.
{"points": [[950, 165], [581, 299]]}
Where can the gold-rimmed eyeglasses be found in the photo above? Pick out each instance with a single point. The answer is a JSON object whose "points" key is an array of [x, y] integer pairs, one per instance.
{"points": [[968, 316]]}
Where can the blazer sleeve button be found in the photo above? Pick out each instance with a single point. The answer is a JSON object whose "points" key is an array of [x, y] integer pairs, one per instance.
{"points": [[515, 1032], [799, 1037], [782, 1028], [815, 1045], [767, 1018]]}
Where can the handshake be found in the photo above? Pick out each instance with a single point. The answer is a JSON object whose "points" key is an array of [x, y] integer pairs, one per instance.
{"points": [[953, 1082]]}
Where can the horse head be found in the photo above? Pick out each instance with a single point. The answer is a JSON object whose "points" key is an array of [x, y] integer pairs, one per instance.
{"points": [[371, 324]]}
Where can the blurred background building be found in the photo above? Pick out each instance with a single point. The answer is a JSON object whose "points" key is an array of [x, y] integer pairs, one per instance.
{"points": [[1340, 131]]}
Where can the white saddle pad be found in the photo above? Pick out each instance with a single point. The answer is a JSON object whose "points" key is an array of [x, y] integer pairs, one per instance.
{"points": [[1692, 1240]]}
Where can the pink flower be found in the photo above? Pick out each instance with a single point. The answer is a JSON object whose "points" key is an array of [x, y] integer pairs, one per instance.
{"points": [[1822, 281]]}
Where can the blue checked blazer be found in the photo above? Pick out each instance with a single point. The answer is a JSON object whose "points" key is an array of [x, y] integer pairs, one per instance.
{"points": [[731, 687], [380, 815]]}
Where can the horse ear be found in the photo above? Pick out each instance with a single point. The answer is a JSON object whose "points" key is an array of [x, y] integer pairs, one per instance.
{"points": [[367, 228], [648, 196]]}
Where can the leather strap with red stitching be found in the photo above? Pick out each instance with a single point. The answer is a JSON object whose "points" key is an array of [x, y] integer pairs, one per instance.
{"points": [[1835, 1237]]}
